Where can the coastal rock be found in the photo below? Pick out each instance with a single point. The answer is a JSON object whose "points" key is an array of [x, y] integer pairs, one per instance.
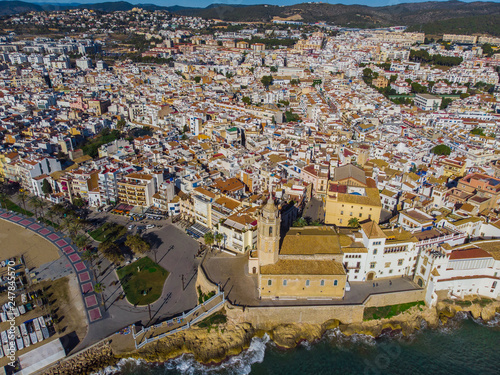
{"points": [[208, 345], [289, 335]]}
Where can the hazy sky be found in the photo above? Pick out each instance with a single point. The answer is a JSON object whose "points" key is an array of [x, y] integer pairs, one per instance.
{"points": [[204, 3]]}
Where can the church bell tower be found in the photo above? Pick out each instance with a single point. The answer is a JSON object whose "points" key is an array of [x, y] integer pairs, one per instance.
{"points": [[268, 240]]}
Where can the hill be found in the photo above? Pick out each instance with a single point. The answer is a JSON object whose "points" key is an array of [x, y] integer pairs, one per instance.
{"points": [[14, 7], [433, 17]]}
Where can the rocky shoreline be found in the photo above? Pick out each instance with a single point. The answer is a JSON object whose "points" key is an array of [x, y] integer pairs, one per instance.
{"points": [[212, 346]]}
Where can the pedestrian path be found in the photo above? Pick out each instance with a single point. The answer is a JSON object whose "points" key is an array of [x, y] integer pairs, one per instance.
{"points": [[70, 252], [185, 321]]}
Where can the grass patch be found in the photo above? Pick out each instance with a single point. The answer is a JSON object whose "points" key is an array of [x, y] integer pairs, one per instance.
{"points": [[383, 312], [213, 320], [108, 232], [202, 297], [9, 205], [142, 281], [463, 302]]}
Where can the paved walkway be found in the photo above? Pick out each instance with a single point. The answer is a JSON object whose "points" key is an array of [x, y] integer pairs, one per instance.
{"points": [[73, 260]]}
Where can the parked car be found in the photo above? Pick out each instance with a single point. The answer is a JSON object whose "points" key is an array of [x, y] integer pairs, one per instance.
{"points": [[131, 226], [150, 226]]}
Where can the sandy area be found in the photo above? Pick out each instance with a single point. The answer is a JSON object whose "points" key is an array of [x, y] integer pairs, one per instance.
{"points": [[16, 240]]}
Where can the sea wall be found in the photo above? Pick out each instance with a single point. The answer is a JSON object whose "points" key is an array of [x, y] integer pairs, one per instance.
{"points": [[266, 318], [203, 282], [394, 298]]}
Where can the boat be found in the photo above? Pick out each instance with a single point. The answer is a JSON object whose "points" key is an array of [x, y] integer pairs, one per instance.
{"points": [[24, 332], [32, 334], [19, 339], [22, 309], [3, 316], [1, 352], [5, 338], [38, 332], [6, 349]]}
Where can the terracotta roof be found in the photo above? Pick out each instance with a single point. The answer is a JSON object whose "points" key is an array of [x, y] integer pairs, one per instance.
{"points": [[372, 230], [469, 254], [303, 267]]}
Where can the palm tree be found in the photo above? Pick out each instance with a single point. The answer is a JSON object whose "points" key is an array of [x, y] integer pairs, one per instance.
{"points": [[89, 256], [33, 201], [99, 288], [73, 225], [209, 239], [82, 241], [3, 198], [353, 222], [23, 196], [41, 205], [218, 238]]}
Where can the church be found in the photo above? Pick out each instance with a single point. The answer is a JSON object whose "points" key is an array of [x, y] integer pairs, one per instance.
{"points": [[307, 266]]}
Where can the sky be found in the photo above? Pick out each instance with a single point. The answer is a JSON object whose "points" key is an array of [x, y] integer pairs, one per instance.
{"points": [[204, 3]]}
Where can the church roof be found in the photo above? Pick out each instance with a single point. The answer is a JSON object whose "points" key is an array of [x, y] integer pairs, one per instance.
{"points": [[313, 240], [303, 267]]}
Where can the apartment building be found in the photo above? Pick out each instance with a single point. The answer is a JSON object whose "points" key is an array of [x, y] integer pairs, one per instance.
{"points": [[137, 189]]}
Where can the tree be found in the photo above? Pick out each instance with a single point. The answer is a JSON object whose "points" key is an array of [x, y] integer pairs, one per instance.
{"points": [[185, 129], [219, 237], [209, 239], [120, 125], [46, 187], [111, 251], [82, 241], [3, 198], [441, 150], [267, 81], [137, 244], [99, 288], [300, 222], [291, 117], [273, 69], [90, 256], [34, 203], [246, 100], [78, 202], [197, 79], [353, 222], [477, 131], [23, 197], [294, 82]]}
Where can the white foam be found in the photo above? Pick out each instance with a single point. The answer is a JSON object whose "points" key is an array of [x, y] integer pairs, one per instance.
{"points": [[186, 364]]}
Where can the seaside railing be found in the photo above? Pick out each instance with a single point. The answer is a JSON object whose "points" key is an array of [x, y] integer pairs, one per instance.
{"points": [[185, 317]]}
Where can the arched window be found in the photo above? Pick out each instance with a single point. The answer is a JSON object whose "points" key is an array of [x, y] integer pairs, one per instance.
{"points": [[270, 231]]}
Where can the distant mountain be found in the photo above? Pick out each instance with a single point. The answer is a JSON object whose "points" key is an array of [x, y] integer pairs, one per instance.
{"points": [[432, 16], [14, 7], [351, 15]]}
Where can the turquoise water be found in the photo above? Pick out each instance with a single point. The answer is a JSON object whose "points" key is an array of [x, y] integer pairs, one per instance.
{"points": [[463, 346]]}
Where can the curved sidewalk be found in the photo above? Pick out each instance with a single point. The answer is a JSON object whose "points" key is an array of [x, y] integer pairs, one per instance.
{"points": [[70, 251]]}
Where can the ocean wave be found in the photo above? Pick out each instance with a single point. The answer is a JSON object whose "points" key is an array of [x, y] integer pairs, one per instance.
{"points": [[186, 364], [495, 322], [335, 336]]}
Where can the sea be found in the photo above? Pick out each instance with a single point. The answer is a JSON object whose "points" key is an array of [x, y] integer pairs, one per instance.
{"points": [[462, 346]]}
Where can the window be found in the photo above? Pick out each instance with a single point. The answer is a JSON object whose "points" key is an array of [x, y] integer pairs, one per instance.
{"points": [[372, 265], [284, 282], [369, 216], [322, 283], [360, 215], [335, 282], [494, 285], [387, 264], [350, 213], [270, 231], [308, 282], [269, 282], [374, 251], [341, 212], [400, 262], [340, 221]]}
